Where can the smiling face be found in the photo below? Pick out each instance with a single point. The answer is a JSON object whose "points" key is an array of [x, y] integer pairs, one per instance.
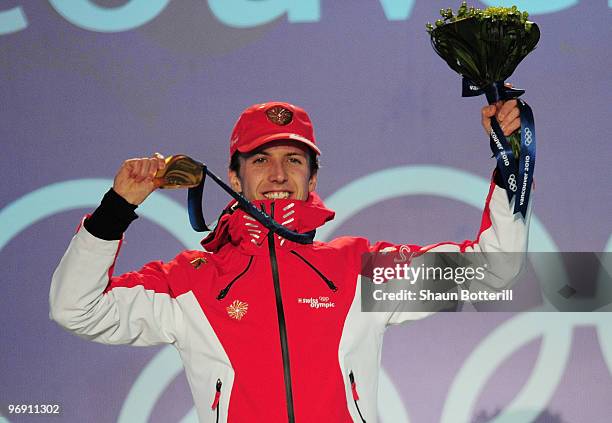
{"points": [[275, 170]]}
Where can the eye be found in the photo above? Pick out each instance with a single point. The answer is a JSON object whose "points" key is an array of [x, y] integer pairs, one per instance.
{"points": [[260, 159], [295, 160]]}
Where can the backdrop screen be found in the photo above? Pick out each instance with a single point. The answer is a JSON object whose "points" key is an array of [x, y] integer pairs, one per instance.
{"points": [[87, 84]]}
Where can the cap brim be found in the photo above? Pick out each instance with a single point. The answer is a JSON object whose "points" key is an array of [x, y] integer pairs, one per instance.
{"points": [[258, 142]]}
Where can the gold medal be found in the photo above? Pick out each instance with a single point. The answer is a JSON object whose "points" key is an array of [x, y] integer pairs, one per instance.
{"points": [[180, 172]]}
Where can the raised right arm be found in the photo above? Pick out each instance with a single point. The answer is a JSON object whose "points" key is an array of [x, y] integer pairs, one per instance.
{"points": [[135, 308]]}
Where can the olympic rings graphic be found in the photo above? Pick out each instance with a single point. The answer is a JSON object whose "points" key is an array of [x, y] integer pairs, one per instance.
{"points": [[432, 180], [512, 182], [556, 332], [528, 136], [159, 373]]}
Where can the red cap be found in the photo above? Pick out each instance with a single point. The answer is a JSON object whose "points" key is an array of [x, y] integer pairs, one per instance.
{"points": [[265, 122]]}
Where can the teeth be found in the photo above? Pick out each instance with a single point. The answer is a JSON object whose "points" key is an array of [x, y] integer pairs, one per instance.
{"points": [[276, 195]]}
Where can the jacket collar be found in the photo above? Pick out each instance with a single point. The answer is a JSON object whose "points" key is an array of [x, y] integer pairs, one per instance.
{"points": [[235, 226]]}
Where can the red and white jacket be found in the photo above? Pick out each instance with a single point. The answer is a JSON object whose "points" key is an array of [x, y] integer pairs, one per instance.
{"points": [[268, 330]]}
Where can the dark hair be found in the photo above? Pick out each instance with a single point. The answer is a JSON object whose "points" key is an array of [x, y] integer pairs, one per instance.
{"points": [[234, 165]]}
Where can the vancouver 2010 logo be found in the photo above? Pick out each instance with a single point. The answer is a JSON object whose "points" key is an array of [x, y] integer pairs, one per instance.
{"points": [[86, 14]]}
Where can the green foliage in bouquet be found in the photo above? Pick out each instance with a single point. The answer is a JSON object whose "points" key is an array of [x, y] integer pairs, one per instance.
{"points": [[485, 46]]}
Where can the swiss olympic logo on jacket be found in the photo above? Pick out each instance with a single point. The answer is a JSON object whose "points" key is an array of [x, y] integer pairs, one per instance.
{"points": [[319, 302]]}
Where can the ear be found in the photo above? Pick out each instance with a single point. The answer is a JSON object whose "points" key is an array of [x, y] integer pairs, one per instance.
{"points": [[312, 183], [234, 180]]}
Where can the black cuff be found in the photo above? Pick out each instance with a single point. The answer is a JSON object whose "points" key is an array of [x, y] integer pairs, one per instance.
{"points": [[112, 217]]}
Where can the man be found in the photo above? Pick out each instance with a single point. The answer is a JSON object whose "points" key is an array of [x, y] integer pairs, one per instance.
{"points": [[240, 313]]}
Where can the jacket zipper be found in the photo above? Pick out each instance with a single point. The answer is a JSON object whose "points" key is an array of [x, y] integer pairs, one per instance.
{"points": [[329, 283], [281, 323], [215, 404], [225, 290], [355, 395]]}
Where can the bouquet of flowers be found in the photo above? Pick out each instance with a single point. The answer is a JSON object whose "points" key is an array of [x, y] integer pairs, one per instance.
{"points": [[485, 47]]}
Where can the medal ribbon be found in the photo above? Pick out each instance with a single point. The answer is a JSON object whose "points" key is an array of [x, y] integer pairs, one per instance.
{"points": [[196, 216], [527, 159]]}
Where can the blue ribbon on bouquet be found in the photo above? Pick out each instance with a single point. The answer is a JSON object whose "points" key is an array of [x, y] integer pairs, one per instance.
{"points": [[516, 174]]}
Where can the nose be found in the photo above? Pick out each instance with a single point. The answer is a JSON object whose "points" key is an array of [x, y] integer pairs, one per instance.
{"points": [[278, 173]]}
